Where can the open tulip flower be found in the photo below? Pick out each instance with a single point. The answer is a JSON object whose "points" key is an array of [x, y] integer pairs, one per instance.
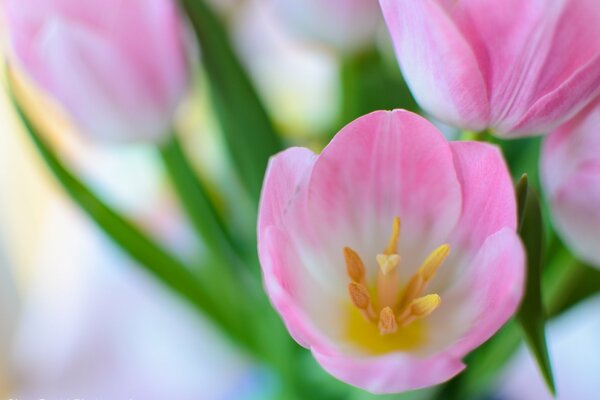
{"points": [[571, 178], [514, 66], [393, 253]]}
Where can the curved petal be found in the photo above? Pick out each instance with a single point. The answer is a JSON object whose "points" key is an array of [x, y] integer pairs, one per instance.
{"points": [[309, 313], [392, 373], [489, 290], [571, 178], [489, 202], [569, 75], [561, 103], [307, 306], [285, 177], [438, 63], [383, 165]]}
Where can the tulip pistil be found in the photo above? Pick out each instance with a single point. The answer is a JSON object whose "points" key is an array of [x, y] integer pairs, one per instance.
{"points": [[392, 308]]}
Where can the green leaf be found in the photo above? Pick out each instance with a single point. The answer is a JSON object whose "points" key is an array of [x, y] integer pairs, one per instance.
{"points": [[531, 315], [484, 364], [140, 247], [568, 281], [197, 202], [248, 130]]}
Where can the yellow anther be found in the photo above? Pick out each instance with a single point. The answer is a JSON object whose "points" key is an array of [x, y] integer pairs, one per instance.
{"points": [[423, 306], [433, 262], [420, 308], [387, 262], [361, 299], [387, 321], [392, 247], [354, 265]]}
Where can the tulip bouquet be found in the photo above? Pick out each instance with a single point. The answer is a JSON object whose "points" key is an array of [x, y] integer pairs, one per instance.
{"points": [[389, 258]]}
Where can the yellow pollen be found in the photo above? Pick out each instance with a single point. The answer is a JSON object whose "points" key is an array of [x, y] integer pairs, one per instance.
{"points": [[354, 265], [391, 310], [419, 308], [423, 306], [387, 263], [361, 299], [387, 321], [433, 262]]}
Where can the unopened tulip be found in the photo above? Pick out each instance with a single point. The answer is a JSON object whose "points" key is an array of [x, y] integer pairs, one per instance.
{"points": [[393, 253], [517, 67], [571, 178], [345, 25], [119, 67]]}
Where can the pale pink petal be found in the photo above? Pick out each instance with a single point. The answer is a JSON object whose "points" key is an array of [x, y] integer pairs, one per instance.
{"points": [[383, 165], [488, 195], [571, 178], [309, 312], [535, 63], [307, 306], [392, 373], [119, 67], [563, 102], [285, 177], [438, 62], [345, 25], [489, 290]]}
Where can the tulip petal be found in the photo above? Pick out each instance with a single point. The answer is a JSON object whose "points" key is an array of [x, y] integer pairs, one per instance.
{"points": [[571, 178], [308, 311], [437, 62], [489, 292], [307, 307], [489, 202], [393, 373], [383, 165]]}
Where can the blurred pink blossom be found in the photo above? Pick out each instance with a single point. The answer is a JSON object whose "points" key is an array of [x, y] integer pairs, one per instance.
{"points": [[345, 25], [571, 178], [118, 66], [517, 67], [389, 190]]}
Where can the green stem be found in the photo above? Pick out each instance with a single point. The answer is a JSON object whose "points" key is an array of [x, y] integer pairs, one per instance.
{"points": [[249, 133], [140, 247], [197, 203]]}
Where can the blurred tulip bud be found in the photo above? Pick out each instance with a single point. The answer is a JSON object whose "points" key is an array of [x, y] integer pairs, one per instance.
{"points": [[570, 170], [346, 25], [119, 67]]}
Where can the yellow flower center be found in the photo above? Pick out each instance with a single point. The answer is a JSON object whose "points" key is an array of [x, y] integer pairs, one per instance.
{"points": [[389, 316]]}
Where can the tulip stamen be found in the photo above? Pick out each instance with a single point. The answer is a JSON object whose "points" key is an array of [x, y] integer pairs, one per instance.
{"points": [[419, 308], [354, 266], [387, 321], [388, 283], [361, 299], [425, 273], [394, 308]]}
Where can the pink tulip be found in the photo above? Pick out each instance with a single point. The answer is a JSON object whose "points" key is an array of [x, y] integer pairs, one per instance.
{"points": [[345, 25], [517, 67], [393, 253], [118, 66], [571, 178]]}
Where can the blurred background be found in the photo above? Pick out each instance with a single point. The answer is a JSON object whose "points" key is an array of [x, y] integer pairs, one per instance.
{"points": [[80, 320]]}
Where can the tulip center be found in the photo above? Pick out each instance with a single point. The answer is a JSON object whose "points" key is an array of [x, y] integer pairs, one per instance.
{"points": [[388, 315]]}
